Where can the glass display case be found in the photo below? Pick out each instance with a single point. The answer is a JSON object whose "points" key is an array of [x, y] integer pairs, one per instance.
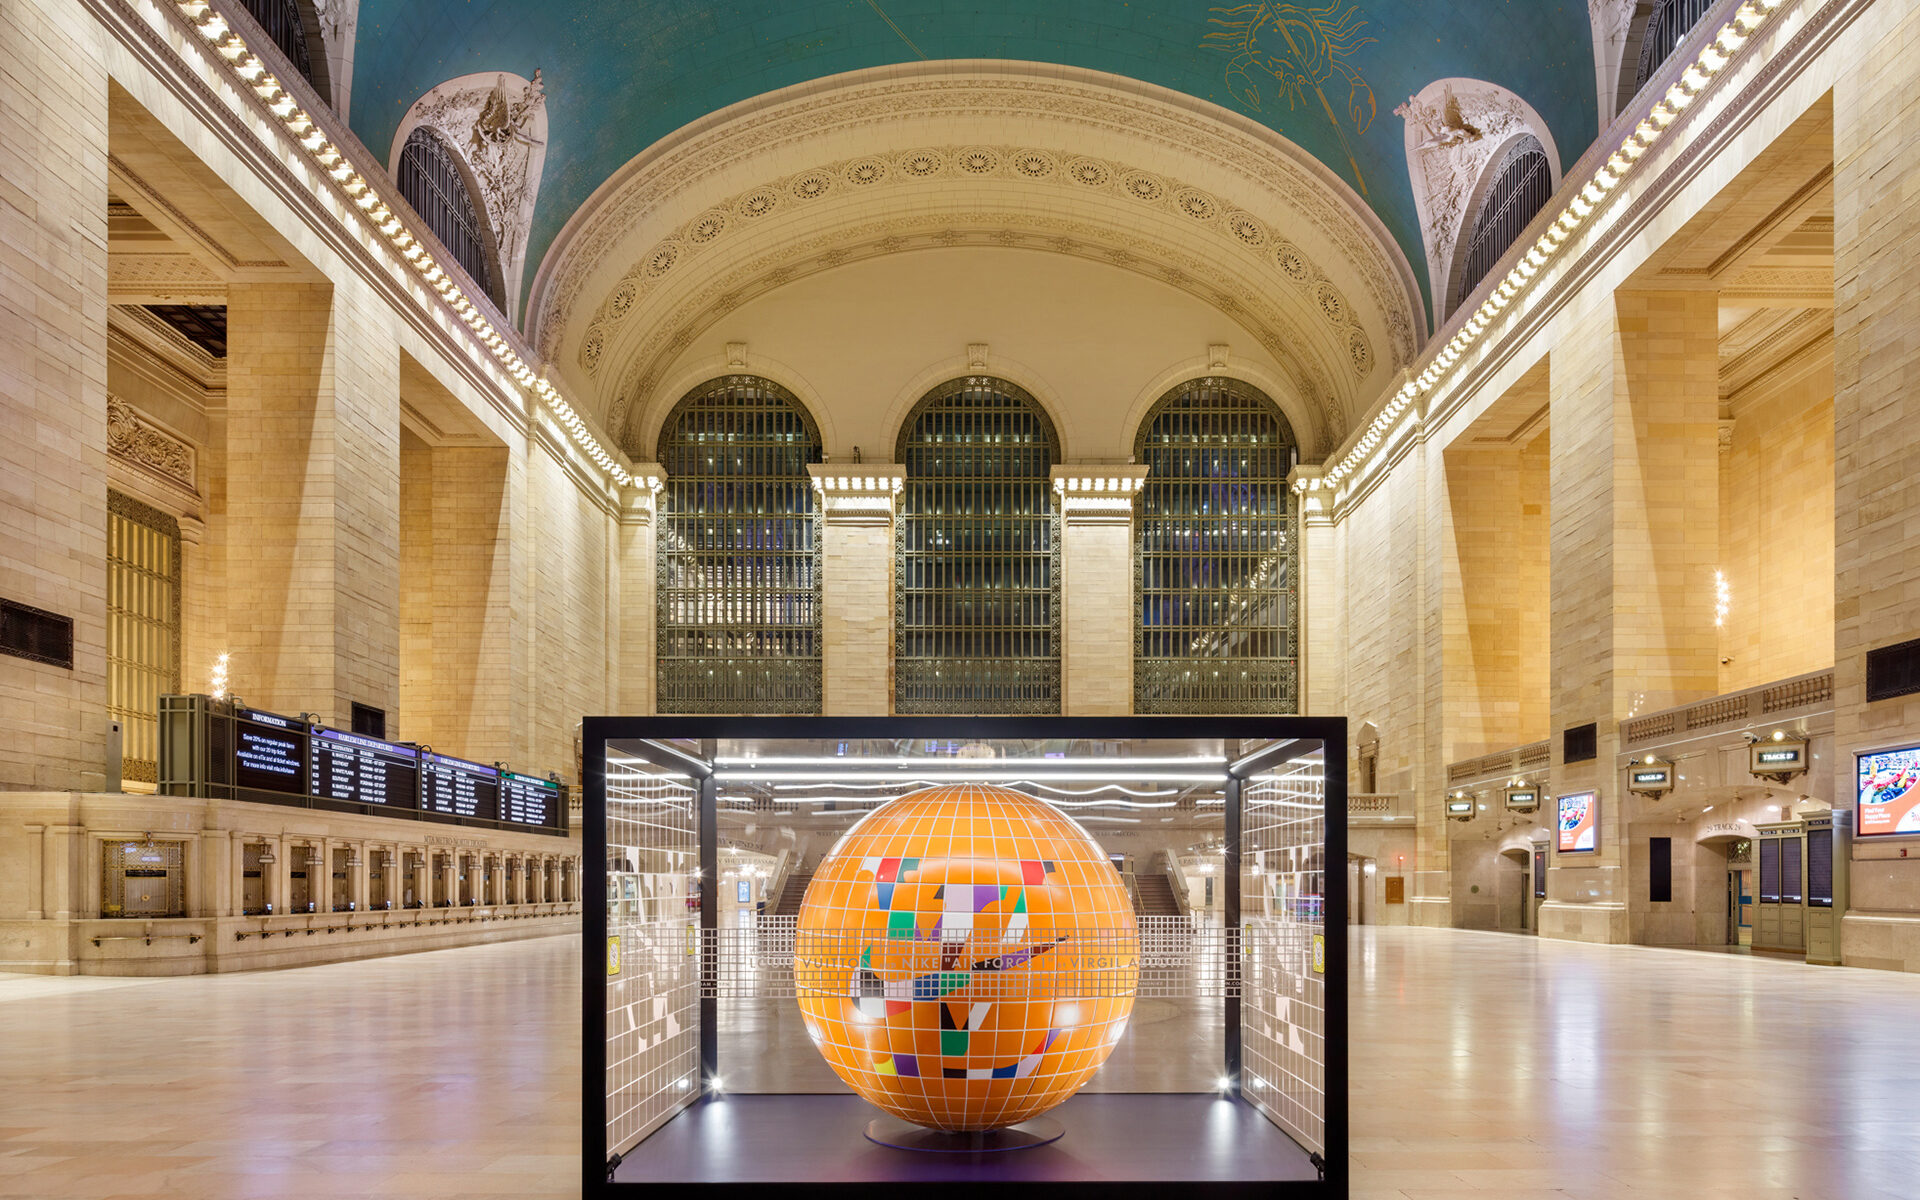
{"points": [[957, 952]]}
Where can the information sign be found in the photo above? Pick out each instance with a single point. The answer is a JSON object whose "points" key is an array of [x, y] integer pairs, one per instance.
{"points": [[268, 752], [459, 788], [529, 800]]}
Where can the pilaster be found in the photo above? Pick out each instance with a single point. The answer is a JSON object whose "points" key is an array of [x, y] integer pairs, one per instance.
{"points": [[639, 596], [1098, 616], [858, 504]]}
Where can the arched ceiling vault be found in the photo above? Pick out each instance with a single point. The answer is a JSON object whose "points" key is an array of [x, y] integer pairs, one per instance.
{"points": [[891, 162], [622, 75]]}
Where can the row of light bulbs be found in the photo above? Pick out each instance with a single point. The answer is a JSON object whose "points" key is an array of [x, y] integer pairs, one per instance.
{"points": [[1579, 210], [213, 27]]}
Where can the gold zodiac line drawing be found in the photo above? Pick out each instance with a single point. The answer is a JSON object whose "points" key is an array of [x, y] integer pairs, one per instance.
{"points": [[1303, 50]]}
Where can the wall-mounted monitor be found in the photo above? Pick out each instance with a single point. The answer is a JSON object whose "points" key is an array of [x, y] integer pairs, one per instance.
{"points": [[269, 752], [459, 788], [363, 770], [1579, 823], [1888, 801], [1523, 799]]}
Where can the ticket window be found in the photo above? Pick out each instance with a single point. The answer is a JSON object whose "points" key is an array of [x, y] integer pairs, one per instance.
{"points": [[526, 876], [254, 863], [1781, 921], [411, 896], [306, 864], [379, 868], [440, 899], [510, 890], [143, 879], [342, 890]]}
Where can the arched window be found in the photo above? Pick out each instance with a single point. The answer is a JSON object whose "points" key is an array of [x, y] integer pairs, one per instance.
{"points": [[739, 628], [1216, 555], [435, 182], [1668, 24], [977, 626], [1522, 184], [294, 27]]}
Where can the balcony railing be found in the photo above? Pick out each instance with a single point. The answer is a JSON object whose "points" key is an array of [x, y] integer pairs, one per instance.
{"points": [[1379, 808], [1501, 765], [1769, 703]]}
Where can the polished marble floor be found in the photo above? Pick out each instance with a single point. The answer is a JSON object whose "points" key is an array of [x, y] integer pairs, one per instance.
{"points": [[1484, 1065]]}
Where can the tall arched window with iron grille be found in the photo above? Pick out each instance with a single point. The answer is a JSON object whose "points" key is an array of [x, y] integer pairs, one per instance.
{"points": [[1522, 184], [977, 605], [294, 26], [1668, 24], [1216, 560], [738, 560], [436, 183]]}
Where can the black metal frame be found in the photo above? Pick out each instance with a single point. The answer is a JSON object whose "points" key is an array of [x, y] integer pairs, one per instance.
{"points": [[1284, 736]]}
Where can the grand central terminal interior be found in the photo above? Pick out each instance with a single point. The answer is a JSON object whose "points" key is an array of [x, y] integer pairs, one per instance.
{"points": [[873, 594]]}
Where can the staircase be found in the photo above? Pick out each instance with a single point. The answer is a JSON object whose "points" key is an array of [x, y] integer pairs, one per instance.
{"points": [[791, 895], [1155, 897]]}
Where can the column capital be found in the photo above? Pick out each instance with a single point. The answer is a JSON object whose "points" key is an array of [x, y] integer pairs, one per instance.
{"points": [[858, 493], [640, 501], [1098, 493]]}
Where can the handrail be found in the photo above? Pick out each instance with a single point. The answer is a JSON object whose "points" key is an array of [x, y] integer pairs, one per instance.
{"points": [[1777, 701]]}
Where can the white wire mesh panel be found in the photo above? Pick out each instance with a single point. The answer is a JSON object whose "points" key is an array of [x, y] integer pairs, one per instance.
{"points": [[653, 964], [1180, 958], [1282, 906]]}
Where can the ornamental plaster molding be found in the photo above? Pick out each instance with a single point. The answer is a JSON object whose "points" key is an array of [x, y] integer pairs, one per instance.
{"points": [[1456, 129], [1611, 21], [871, 176], [496, 122], [1089, 107], [656, 344], [135, 439], [338, 19], [162, 279]]}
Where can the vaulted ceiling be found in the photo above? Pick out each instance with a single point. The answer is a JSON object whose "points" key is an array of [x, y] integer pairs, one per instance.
{"points": [[1325, 74]]}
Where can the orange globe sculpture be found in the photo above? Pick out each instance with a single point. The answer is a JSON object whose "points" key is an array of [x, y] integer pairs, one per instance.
{"points": [[966, 957]]}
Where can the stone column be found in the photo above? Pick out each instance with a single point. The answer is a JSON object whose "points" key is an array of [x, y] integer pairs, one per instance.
{"points": [[53, 384], [1634, 536], [1876, 366], [213, 879], [858, 503], [59, 896], [313, 499], [1098, 609], [280, 879], [639, 599]]}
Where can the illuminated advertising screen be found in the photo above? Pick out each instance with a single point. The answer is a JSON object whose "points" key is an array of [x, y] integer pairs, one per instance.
{"points": [[1579, 823], [1889, 799]]}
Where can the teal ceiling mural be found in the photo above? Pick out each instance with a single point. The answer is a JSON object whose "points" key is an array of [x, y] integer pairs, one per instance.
{"points": [[620, 74]]}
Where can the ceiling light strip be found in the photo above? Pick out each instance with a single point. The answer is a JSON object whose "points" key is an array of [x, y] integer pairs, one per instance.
{"points": [[1581, 210], [376, 215]]}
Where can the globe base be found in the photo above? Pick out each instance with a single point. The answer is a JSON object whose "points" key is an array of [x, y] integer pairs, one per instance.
{"points": [[904, 1135]]}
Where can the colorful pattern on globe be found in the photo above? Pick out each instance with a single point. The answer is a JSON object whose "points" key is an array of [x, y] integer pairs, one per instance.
{"points": [[966, 957]]}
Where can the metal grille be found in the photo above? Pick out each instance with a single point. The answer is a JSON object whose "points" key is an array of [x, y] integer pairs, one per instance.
{"points": [[281, 21], [432, 181], [977, 620], [739, 590], [143, 627], [1667, 26], [1169, 958], [1282, 906], [143, 879], [1521, 187], [1215, 559], [653, 965]]}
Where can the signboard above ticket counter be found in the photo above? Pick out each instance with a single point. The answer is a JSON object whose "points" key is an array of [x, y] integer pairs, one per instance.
{"points": [[217, 749]]}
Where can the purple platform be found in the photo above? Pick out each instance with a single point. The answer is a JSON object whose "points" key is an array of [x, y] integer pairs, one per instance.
{"points": [[1110, 1137]]}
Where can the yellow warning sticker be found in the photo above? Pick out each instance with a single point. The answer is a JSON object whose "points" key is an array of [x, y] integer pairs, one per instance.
{"points": [[613, 956], [1319, 954]]}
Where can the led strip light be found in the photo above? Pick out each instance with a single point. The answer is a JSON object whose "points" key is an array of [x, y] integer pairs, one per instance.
{"points": [[1579, 211], [375, 212]]}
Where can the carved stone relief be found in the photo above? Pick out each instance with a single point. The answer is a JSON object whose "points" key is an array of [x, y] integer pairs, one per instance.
{"points": [[497, 123], [1454, 127], [1611, 20], [137, 440], [338, 21]]}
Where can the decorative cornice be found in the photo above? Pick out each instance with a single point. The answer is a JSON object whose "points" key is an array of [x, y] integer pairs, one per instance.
{"points": [[1097, 493], [869, 495]]}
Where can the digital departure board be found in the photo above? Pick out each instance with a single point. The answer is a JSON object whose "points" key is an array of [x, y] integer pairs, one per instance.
{"points": [[459, 788], [527, 800], [363, 770], [269, 752]]}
